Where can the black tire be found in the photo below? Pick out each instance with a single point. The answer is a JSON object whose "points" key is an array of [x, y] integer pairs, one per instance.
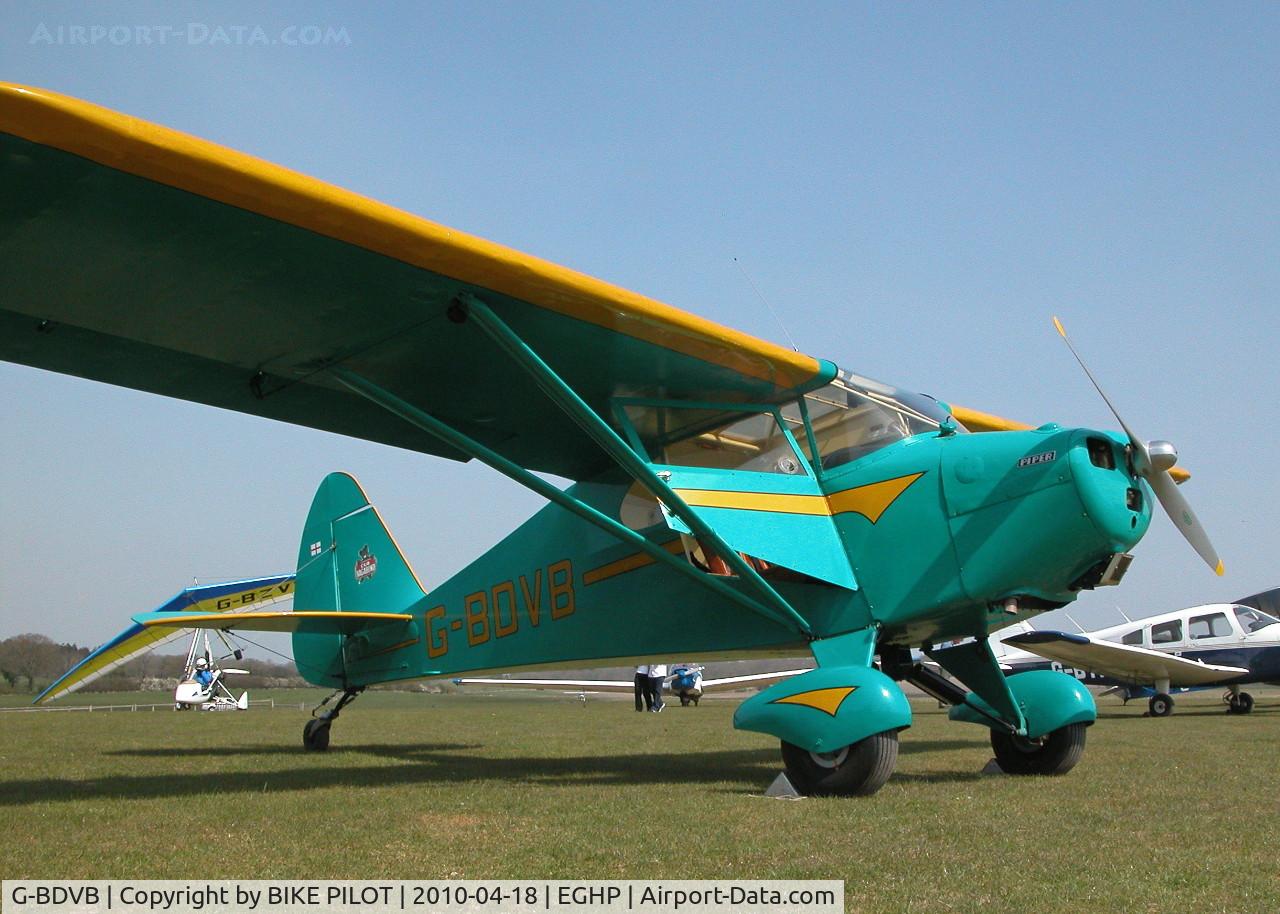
{"points": [[315, 735], [684, 702], [1160, 705], [858, 770], [1055, 753], [1240, 704]]}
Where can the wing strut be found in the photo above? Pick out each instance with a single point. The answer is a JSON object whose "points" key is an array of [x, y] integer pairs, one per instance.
{"points": [[428, 423], [611, 443]]}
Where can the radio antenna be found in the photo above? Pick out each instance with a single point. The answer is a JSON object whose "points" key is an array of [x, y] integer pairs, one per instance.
{"points": [[747, 277]]}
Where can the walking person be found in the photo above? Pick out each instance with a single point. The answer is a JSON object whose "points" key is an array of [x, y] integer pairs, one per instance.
{"points": [[644, 701], [657, 673]]}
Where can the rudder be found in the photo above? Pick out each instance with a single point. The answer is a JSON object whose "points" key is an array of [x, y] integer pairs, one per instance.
{"points": [[347, 561]]}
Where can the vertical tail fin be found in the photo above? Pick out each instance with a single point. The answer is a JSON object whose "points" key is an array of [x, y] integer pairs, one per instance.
{"points": [[347, 561]]}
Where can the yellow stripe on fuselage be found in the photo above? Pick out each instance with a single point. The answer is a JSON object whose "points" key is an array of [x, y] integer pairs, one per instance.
{"points": [[871, 501], [628, 563]]}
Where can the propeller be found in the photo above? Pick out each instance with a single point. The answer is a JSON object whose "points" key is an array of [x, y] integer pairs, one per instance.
{"points": [[1152, 460], [236, 672]]}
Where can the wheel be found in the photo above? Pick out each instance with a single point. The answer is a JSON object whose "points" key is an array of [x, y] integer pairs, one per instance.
{"points": [[1055, 753], [684, 702], [1240, 704], [858, 770], [1160, 705], [315, 735]]}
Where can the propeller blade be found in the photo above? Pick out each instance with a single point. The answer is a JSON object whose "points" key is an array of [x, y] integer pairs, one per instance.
{"points": [[1162, 483], [239, 672], [1137, 442], [1179, 511]]}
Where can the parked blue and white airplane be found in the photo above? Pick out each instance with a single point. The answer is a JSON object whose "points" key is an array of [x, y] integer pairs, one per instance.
{"points": [[1219, 644]]}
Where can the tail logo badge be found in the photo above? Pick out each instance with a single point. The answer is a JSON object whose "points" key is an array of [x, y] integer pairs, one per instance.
{"points": [[366, 565]]}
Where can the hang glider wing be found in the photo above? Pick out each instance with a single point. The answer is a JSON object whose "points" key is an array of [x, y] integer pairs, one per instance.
{"points": [[1134, 665], [308, 621], [137, 639], [161, 262], [627, 685]]}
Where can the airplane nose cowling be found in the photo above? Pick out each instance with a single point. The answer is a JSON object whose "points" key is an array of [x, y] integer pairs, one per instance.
{"points": [[1031, 513]]}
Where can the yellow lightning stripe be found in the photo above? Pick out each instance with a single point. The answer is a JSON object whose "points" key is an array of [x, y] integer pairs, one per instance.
{"points": [[871, 501], [628, 563], [826, 700]]}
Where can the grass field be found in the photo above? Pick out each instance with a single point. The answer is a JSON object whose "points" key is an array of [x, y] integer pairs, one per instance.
{"points": [[1170, 815]]}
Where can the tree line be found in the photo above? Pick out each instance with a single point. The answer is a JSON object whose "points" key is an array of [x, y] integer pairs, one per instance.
{"points": [[30, 662]]}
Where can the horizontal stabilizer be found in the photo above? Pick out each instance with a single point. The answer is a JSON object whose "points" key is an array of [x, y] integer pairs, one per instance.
{"points": [[300, 621]]}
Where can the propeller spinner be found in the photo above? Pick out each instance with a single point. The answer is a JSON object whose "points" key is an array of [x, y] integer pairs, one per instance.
{"points": [[1152, 461]]}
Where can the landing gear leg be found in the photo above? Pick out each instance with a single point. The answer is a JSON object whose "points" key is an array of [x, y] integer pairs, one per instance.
{"points": [[315, 735], [1238, 702], [1160, 705]]}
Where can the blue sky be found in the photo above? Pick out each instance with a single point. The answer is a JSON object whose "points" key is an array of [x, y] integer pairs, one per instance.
{"points": [[915, 188]]}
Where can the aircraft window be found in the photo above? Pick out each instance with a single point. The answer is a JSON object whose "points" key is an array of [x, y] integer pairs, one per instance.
{"points": [[1166, 632], [1214, 625], [1251, 620], [697, 437], [1133, 637], [849, 423]]}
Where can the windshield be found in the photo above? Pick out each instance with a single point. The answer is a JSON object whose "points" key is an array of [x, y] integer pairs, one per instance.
{"points": [[854, 416], [1251, 620]]}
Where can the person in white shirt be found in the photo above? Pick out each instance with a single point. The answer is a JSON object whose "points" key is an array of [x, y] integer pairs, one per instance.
{"points": [[657, 673], [643, 700]]}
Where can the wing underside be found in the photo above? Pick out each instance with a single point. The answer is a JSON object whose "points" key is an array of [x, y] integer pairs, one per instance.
{"points": [[1126, 663], [161, 262]]}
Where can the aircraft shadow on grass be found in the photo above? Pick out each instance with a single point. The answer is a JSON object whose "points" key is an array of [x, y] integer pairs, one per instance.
{"points": [[430, 763]]}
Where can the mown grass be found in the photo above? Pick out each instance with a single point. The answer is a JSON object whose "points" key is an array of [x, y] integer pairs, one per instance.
{"points": [[1162, 815]]}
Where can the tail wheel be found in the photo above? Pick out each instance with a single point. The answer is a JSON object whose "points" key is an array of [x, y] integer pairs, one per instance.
{"points": [[1240, 704], [315, 735], [1054, 753], [1160, 705], [858, 770]]}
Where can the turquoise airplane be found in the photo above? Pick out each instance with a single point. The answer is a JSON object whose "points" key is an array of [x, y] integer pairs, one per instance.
{"points": [[730, 497]]}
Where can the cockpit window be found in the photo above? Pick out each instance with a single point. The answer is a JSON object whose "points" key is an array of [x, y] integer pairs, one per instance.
{"points": [[1213, 625], [701, 437], [1166, 632], [853, 417], [1133, 637], [1251, 620]]}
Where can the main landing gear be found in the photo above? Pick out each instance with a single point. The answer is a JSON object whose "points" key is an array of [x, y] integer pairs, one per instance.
{"points": [[1160, 705], [858, 770], [1238, 702], [1054, 753], [315, 735]]}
